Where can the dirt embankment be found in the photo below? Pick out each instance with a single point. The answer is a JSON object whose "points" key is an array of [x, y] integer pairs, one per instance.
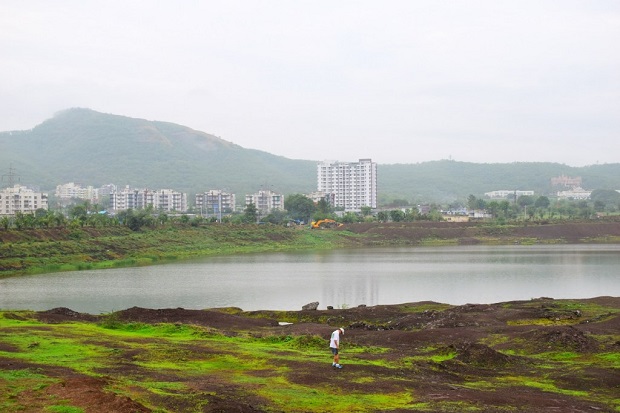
{"points": [[542, 355], [479, 232]]}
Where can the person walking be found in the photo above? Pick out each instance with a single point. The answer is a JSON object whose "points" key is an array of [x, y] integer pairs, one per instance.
{"points": [[334, 345]]}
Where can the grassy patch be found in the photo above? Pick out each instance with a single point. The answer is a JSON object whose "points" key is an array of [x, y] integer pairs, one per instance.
{"points": [[542, 384], [610, 359], [15, 382], [61, 408]]}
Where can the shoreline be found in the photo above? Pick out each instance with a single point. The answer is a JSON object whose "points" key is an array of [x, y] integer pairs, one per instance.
{"points": [[62, 249]]}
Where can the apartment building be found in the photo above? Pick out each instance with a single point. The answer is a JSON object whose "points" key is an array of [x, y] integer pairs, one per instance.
{"points": [[353, 184], [317, 197], [72, 190], [215, 202], [265, 201], [574, 193], [161, 199], [21, 199], [507, 193]]}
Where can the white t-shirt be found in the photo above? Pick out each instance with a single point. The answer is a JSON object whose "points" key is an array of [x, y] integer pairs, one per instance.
{"points": [[334, 342]]}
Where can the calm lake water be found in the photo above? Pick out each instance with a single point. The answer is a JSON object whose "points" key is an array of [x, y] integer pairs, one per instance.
{"points": [[286, 281]]}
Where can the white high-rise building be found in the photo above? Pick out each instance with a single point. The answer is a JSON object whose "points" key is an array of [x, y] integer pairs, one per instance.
{"points": [[353, 184]]}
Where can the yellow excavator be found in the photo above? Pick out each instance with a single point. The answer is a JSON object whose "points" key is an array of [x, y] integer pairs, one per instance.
{"points": [[325, 223]]}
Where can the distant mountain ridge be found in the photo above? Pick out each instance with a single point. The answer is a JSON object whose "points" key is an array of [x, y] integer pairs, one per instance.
{"points": [[93, 148]]}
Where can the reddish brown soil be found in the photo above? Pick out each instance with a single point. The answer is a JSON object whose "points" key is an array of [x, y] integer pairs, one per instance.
{"points": [[459, 330]]}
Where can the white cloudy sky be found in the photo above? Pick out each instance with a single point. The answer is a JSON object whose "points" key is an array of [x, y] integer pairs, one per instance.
{"points": [[399, 81]]}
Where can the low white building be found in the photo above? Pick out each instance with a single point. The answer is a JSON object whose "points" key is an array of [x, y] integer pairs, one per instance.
{"points": [[21, 199], [575, 193], [506, 193], [265, 201], [318, 196]]}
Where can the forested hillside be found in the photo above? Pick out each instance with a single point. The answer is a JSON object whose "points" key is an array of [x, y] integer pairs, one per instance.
{"points": [[81, 145], [444, 181], [92, 148]]}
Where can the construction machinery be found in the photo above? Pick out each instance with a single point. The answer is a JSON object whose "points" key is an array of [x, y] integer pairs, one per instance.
{"points": [[324, 223]]}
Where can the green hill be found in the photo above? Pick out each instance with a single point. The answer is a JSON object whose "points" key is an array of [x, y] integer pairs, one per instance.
{"points": [[81, 145], [92, 148]]}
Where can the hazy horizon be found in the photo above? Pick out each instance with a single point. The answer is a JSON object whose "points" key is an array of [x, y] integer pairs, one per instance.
{"points": [[399, 82]]}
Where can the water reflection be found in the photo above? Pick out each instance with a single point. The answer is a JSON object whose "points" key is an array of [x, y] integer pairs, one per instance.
{"points": [[455, 275]]}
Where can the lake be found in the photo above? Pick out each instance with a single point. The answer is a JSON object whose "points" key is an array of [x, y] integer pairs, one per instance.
{"points": [[340, 278]]}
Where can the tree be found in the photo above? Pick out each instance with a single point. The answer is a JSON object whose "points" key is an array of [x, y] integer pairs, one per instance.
{"points": [[276, 217], [525, 200], [250, 213], [412, 214], [607, 197], [322, 207], [299, 207], [60, 220], [350, 217], [382, 216], [397, 215], [599, 206], [542, 202], [365, 211], [79, 213], [472, 202], [505, 207], [133, 220], [494, 208]]}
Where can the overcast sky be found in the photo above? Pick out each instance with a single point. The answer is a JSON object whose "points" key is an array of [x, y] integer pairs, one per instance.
{"points": [[396, 81]]}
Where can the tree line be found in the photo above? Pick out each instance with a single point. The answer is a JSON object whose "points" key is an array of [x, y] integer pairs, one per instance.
{"points": [[299, 209]]}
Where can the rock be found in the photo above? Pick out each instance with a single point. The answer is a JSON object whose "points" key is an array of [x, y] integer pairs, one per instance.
{"points": [[329, 307], [311, 306]]}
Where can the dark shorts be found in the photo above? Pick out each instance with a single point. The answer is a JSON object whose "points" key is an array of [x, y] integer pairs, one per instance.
{"points": [[334, 350]]}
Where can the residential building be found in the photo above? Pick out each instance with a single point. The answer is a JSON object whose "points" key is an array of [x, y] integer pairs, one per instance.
{"points": [[161, 200], [21, 199], [72, 190], [574, 193], [353, 184], [215, 202], [265, 201], [507, 193], [328, 197], [566, 181]]}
